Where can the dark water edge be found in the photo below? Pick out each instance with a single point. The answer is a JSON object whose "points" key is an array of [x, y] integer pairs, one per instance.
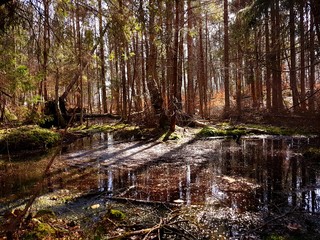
{"points": [[216, 179]]}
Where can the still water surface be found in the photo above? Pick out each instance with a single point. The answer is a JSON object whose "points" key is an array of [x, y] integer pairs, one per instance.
{"points": [[259, 174]]}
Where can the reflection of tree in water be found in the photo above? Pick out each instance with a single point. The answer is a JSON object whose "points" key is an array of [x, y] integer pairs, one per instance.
{"points": [[224, 172], [284, 176]]}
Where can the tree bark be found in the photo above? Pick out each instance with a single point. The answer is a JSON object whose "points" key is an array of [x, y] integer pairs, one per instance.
{"points": [[102, 62], [293, 78], [311, 101], [268, 61], [174, 91], [190, 101], [302, 57], [226, 57], [315, 9], [155, 95]]}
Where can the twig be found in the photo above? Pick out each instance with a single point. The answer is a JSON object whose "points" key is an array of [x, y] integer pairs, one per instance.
{"points": [[164, 224], [133, 233], [157, 227]]}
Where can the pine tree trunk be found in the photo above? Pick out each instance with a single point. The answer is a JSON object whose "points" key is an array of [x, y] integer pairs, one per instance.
{"points": [[190, 73], [311, 101], [226, 57], [174, 91], [268, 62], [293, 78], [302, 58], [152, 83], [102, 62]]}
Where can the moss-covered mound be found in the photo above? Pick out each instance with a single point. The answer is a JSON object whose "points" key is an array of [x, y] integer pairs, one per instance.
{"points": [[213, 132], [240, 130], [27, 138]]}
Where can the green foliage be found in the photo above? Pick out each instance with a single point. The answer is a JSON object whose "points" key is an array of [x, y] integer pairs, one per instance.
{"points": [[38, 118], [253, 13], [23, 79]]}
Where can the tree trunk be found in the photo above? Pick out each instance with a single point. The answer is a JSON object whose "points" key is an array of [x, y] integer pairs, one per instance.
{"points": [[277, 104], [239, 80], [155, 95], [315, 9], [169, 52], [102, 62], [226, 57], [174, 91], [139, 69], [293, 78], [84, 65], [190, 101], [302, 57], [268, 62], [201, 73], [79, 50], [46, 37], [311, 101], [124, 88], [180, 55]]}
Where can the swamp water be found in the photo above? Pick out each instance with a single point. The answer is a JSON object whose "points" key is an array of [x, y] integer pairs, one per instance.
{"points": [[216, 179]]}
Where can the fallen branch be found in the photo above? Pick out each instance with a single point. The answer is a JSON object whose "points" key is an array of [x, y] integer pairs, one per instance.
{"points": [[165, 226], [124, 199], [137, 232]]}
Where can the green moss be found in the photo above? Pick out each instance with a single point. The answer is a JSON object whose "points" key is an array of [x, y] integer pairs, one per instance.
{"points": [[45, 229], [213, 132], [40, 231], [275, 237], [273, 130], [29, 138], [168, 135], [100, 128], [128, 132], [116, 214], [236, 130]]}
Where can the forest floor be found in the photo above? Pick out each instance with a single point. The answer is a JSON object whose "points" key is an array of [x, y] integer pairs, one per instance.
{"points": [[96, 216]]}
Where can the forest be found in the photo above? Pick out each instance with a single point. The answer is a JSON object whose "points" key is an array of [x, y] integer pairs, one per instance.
{"points": [[167, 119], [158, 58]]}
